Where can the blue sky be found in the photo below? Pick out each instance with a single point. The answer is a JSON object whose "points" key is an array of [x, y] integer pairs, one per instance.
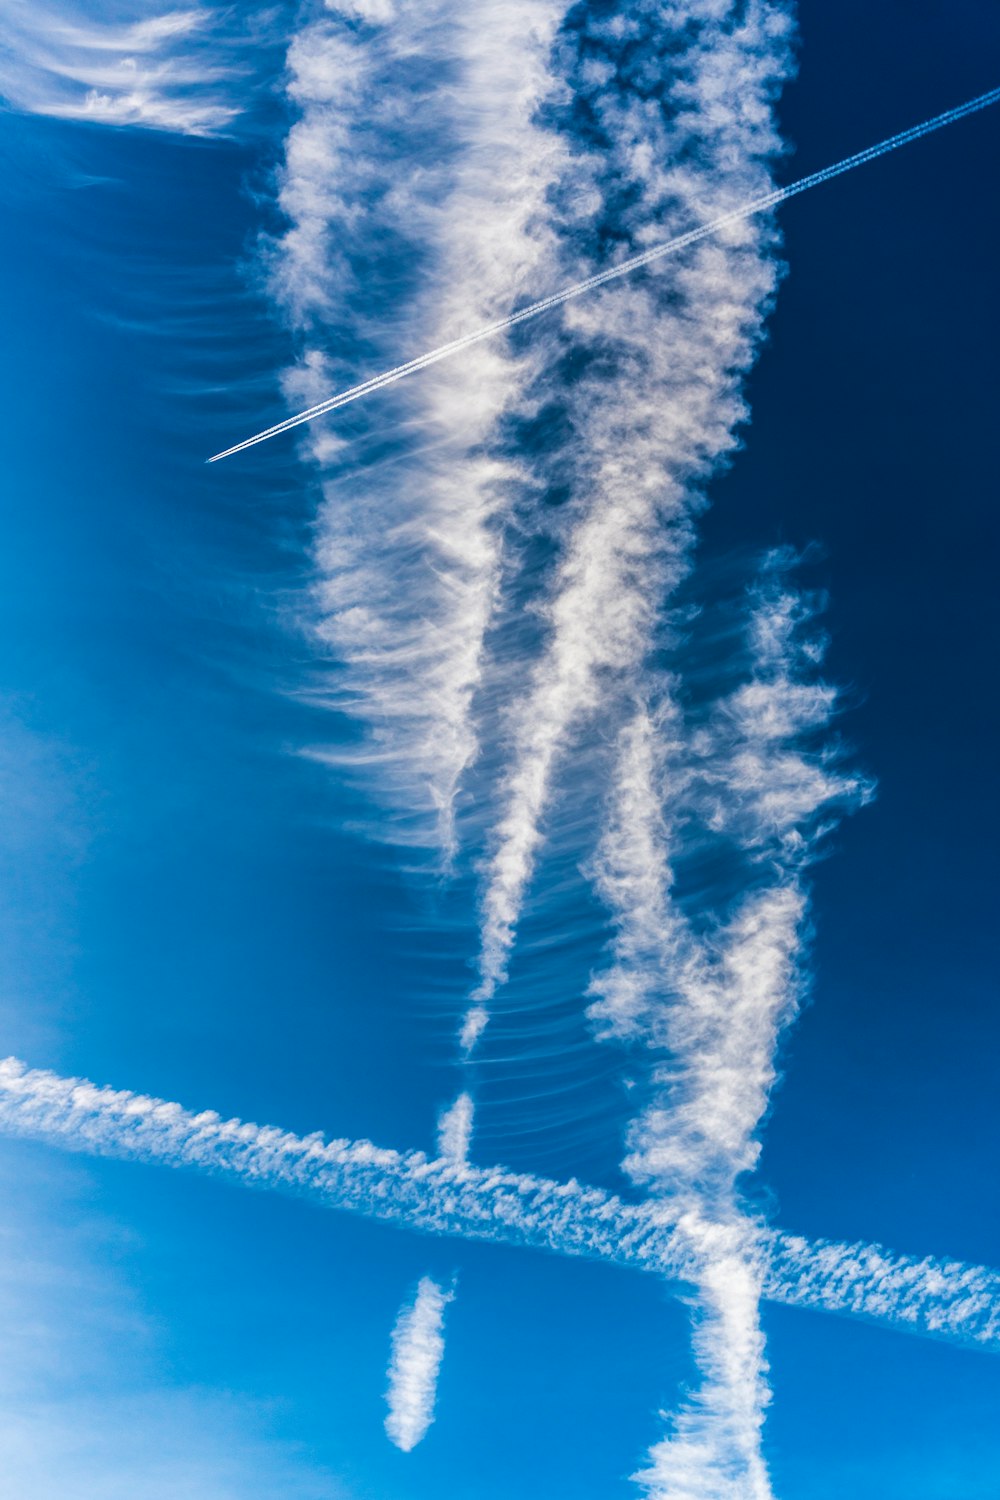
{"points": [[707, 558]]}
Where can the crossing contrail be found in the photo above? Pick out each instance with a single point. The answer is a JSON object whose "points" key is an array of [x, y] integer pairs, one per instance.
{"points": [[624, 268], [942, 1299]]}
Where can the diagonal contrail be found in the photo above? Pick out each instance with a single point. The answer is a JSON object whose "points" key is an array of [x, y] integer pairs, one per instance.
{"points": [[936, 1298], [624, 268]]}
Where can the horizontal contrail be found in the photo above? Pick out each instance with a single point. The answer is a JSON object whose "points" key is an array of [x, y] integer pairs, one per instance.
{"points": [[624, 268], [936, 1298]]}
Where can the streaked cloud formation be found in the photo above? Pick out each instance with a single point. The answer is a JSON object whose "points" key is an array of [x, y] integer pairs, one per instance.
{"points": [[611, 273], [417, 1349], [448, 219], [710, 1000], [497, 562], [713, 1449], [652, 418], [176, 70], [938, 1298], [455, 1129]]}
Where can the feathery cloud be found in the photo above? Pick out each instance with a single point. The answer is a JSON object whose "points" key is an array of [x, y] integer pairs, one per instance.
{"points": [[611, 273], [650, 418], [712, 1450], [175, 71], [447, 219], [710, 1000]]}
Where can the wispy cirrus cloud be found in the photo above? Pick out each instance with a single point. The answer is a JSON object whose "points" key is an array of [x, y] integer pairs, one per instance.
{"points": [[764, 776], [417, 1350], [413, 575], [626, 267], [174, 70], [397, 235], [710, 998], [713, 1448], [649, 418]]}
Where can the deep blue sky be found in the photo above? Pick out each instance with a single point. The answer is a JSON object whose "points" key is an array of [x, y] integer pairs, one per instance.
{"points": [[186, 910]]}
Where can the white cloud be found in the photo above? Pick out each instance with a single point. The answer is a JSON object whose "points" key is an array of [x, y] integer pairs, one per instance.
{"points": [[421, 139], [176, 70], [712, 1451], [652, 948], [722, 1032], [711, 1000], [657, 409], [417, 1350], [942, 1298], [455, 1129], [774, 790]]}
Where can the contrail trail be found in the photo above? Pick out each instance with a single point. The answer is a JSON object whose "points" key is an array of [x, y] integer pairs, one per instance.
{"points": [[935, 1298], [624, 268]]}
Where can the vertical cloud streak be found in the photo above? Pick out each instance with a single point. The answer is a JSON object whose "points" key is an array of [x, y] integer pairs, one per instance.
{"points": [[710, 1001], [417, 1350], [657, 405], [651, 418], [713, 1450], [415, 176], [455, 1129]]}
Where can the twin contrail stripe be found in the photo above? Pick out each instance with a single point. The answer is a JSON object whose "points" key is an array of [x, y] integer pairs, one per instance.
{"points": [[624, 268], [937, 1298]]}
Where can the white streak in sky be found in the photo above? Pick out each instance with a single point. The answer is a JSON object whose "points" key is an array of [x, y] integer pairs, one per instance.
{"points": [[176, 71], [939, 1298], [632, 874], [652, 416], [455, 1129], [711, 1005], [717, 1013], [761, 204], [713, 1449], [417, 1348], [415, 175]]}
